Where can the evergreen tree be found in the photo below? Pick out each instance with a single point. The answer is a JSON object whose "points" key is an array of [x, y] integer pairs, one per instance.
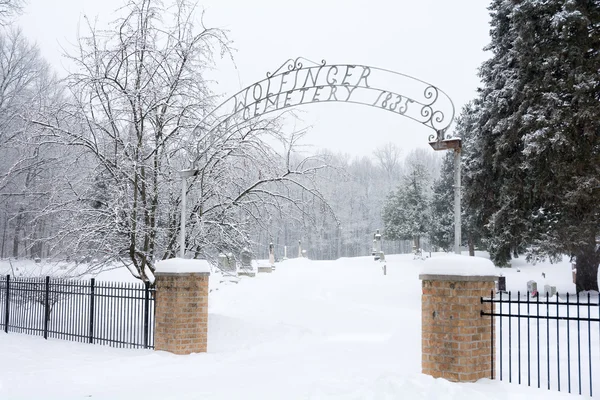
{"points": [[537, 134], [477, 184], [501, 180], [406, 214], [442, 206], [560, 55]]}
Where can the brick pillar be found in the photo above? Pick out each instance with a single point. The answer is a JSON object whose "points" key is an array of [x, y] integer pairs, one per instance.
{"points": [[456, 339], [181, 314]]}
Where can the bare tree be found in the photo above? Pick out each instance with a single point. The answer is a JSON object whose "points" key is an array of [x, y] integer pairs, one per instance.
{"points": [[137, 91], [133, 109], [430, 160], [388, 156], [9, 9], [241, 182], [25, 82]]}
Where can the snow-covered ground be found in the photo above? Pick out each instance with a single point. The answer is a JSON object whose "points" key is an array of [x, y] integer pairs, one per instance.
{"points": [[310, 330]]}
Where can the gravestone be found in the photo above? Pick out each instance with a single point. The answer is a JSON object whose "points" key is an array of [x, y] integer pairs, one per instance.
{"points": [[227, 264], [532, 287], [501, 284], [417, 253], [376, 243], [551, 290], [271, 254], [246, 263], [246, 258], [265, 268], [223, 262]]}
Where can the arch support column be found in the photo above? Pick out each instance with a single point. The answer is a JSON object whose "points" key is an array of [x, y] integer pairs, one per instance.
{"points": [[181, 313], [456, 339]]}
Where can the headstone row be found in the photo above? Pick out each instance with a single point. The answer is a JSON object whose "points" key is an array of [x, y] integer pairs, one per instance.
{"points": [[533, 290]]}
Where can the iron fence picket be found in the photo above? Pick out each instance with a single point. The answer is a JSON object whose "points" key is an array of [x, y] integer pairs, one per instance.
{"points": [[492, 336], [500, 338], [73, 304], [7, 308], [528, 345], [548, 339], [101, 311], [146, 312], [21, 288], [17, 288], [557, 342], [131, 319], [91, 312], [122, 315], [17, 311], [578, 346], [113, 321], [590, 342], [125, 315], [46, 306], [519, 331], [568, 346], [538, 335], [509, 338]]}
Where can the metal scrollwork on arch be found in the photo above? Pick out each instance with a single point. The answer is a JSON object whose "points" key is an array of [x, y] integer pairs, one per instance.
{"points": [[296, 64], [301, 81], [439, 136]]}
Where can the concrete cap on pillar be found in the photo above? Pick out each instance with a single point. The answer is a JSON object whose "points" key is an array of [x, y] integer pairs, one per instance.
{"points": [[462, 268], [182, 266]]}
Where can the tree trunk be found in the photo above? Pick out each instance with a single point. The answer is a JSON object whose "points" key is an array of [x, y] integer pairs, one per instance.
{"points": [[16, 245], [471, 243], [4, 235], [18, 228], [587, 268]]}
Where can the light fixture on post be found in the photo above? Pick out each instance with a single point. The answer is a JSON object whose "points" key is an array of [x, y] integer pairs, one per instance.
{"points": [[456, 145], [184, 174]]}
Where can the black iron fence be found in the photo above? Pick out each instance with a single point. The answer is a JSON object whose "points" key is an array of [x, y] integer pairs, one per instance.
{"points": [[543, 341], [110, 313]]}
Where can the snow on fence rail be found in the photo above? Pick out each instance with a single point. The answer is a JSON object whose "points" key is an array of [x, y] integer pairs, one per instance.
{"points": [[110, 313], [550, 342]]}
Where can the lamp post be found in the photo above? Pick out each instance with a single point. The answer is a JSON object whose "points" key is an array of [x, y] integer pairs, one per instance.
{"points": [[184, 174], [453, 144]]}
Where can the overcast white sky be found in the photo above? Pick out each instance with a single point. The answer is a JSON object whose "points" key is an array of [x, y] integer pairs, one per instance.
{"points": [[438, 41]]}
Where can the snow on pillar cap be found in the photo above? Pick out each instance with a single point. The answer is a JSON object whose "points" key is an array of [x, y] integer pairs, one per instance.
{"points": [[182, 266], [458, 265]]}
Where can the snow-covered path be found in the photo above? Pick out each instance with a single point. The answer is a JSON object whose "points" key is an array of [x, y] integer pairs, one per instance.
{"points": [[310, 330]]}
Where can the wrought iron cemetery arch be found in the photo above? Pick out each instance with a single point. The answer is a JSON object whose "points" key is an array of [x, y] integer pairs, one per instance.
{"points": [[295, 84], [301, 81]]}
